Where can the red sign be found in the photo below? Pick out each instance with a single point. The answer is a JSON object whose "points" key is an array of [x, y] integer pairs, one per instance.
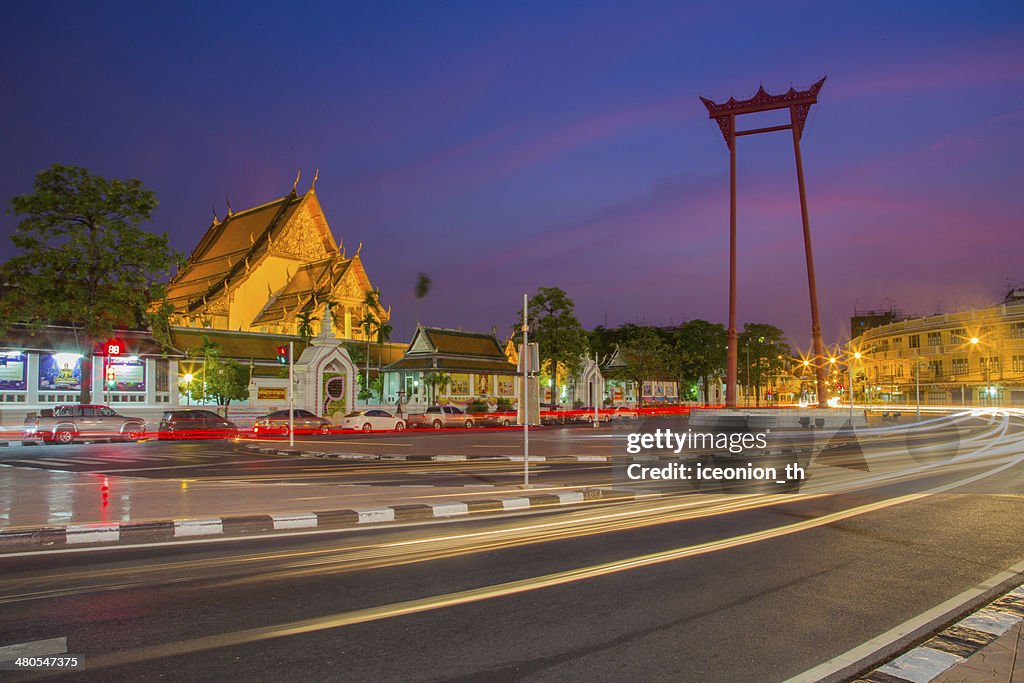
{"points": [[114, 347]]}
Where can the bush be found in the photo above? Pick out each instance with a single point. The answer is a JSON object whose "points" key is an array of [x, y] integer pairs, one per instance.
{"points": [[504, 404], [478, 405]]}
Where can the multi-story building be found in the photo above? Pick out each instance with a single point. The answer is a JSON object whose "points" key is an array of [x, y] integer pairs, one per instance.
{"points": [[973, 357]]}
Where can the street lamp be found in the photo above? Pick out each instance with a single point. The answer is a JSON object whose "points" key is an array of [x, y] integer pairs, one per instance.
{"points": [[856, 356], [188, 388]]}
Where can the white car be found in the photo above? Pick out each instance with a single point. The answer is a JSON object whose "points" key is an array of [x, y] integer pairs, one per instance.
{"points": [[372, 421]]}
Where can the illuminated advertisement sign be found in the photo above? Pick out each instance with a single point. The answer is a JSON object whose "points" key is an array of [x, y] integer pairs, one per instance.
{"points": [[12, 372], [127, 374], [60, 372]]}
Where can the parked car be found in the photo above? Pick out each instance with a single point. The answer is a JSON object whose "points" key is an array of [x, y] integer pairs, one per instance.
{"points": [[195, 424], [372, 421], [501, 418], [442, 416], [304, 422], [70, 423]]}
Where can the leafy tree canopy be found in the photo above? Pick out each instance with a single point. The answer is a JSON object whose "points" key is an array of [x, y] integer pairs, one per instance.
{"points": [[559, 335], [84, 261]]}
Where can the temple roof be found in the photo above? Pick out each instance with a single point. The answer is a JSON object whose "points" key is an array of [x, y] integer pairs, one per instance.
{"points": [[231, 247], [310, 286], [443, 349]]}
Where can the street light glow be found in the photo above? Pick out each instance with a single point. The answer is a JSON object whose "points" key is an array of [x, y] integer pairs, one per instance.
{"points": [[975, 340], [187, 378]]}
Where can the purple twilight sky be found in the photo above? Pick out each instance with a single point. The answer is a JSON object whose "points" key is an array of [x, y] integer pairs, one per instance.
{"points": [[499, 147]]}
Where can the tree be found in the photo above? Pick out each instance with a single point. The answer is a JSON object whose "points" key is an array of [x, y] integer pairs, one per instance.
{"points": [[437, 381], [226, 381], [698, 352], [384, 331], [643, 356], [305, 326], [763, 354], [369, 325], [560, 337], [84, 261]]}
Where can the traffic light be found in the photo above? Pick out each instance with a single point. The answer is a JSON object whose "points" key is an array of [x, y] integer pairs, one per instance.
{"points": [[111, 379], [282, 355]]}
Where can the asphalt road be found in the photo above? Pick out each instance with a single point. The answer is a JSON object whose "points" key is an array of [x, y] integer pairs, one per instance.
{"points": [[695, 588]]}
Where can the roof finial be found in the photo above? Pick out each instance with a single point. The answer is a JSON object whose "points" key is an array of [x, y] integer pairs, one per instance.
{"points": [[228, 200], [252, 239], [296, 183], [270, 292], [216, 220], [359, 248], [316, 174]]}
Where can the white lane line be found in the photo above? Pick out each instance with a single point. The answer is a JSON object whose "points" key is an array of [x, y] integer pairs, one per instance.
{"points": [[198, 527], [34, 648], [305, 521]]}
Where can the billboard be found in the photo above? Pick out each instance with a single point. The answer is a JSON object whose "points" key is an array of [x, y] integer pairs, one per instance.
{"points": [[60, 372], [127, 373], [12, 371]]}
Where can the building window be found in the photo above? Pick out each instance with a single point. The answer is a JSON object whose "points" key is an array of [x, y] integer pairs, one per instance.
{"points": [[990, 365], [914, 341], [897, 342], [1017, 331], [936, 368], [958, 336], [1018, 363], [161, 378], [960, 366], [934, 339]]}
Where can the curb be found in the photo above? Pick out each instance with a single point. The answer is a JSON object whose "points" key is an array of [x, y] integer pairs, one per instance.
{"points": [[77, 535], [423, 458], [954, 644]]}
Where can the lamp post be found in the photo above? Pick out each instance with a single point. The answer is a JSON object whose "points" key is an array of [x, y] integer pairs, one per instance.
{"points": [[188, 388], [856, 356]]}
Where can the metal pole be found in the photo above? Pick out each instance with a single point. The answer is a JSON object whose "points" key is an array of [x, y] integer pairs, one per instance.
{"points": [[525, 399], [597, 416], [850, 389], [731, 353], [291, 396], [917, 391], [811, 283]]}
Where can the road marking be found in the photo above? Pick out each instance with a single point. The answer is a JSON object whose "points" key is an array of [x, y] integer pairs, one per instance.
{"points": [[34, 648], [515, 503], [317, 624]]}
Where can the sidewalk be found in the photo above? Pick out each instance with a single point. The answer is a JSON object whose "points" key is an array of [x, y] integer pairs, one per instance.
{"points": [[984, 647], [40, 508]]}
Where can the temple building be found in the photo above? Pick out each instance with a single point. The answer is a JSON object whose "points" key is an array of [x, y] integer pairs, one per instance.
{"points": [[451, 367], [273, 269]]}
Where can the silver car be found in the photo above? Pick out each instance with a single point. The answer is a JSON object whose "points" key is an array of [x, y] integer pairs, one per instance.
{"points": [[305, 422], [69, 423]]}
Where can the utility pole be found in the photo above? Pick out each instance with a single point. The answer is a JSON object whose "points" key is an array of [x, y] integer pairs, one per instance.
{"points": [[291, 394], [524, 400]]}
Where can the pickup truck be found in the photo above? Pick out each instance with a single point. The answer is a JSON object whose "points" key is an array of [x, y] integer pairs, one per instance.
{"points": [[68, 423], [441, 416]]}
